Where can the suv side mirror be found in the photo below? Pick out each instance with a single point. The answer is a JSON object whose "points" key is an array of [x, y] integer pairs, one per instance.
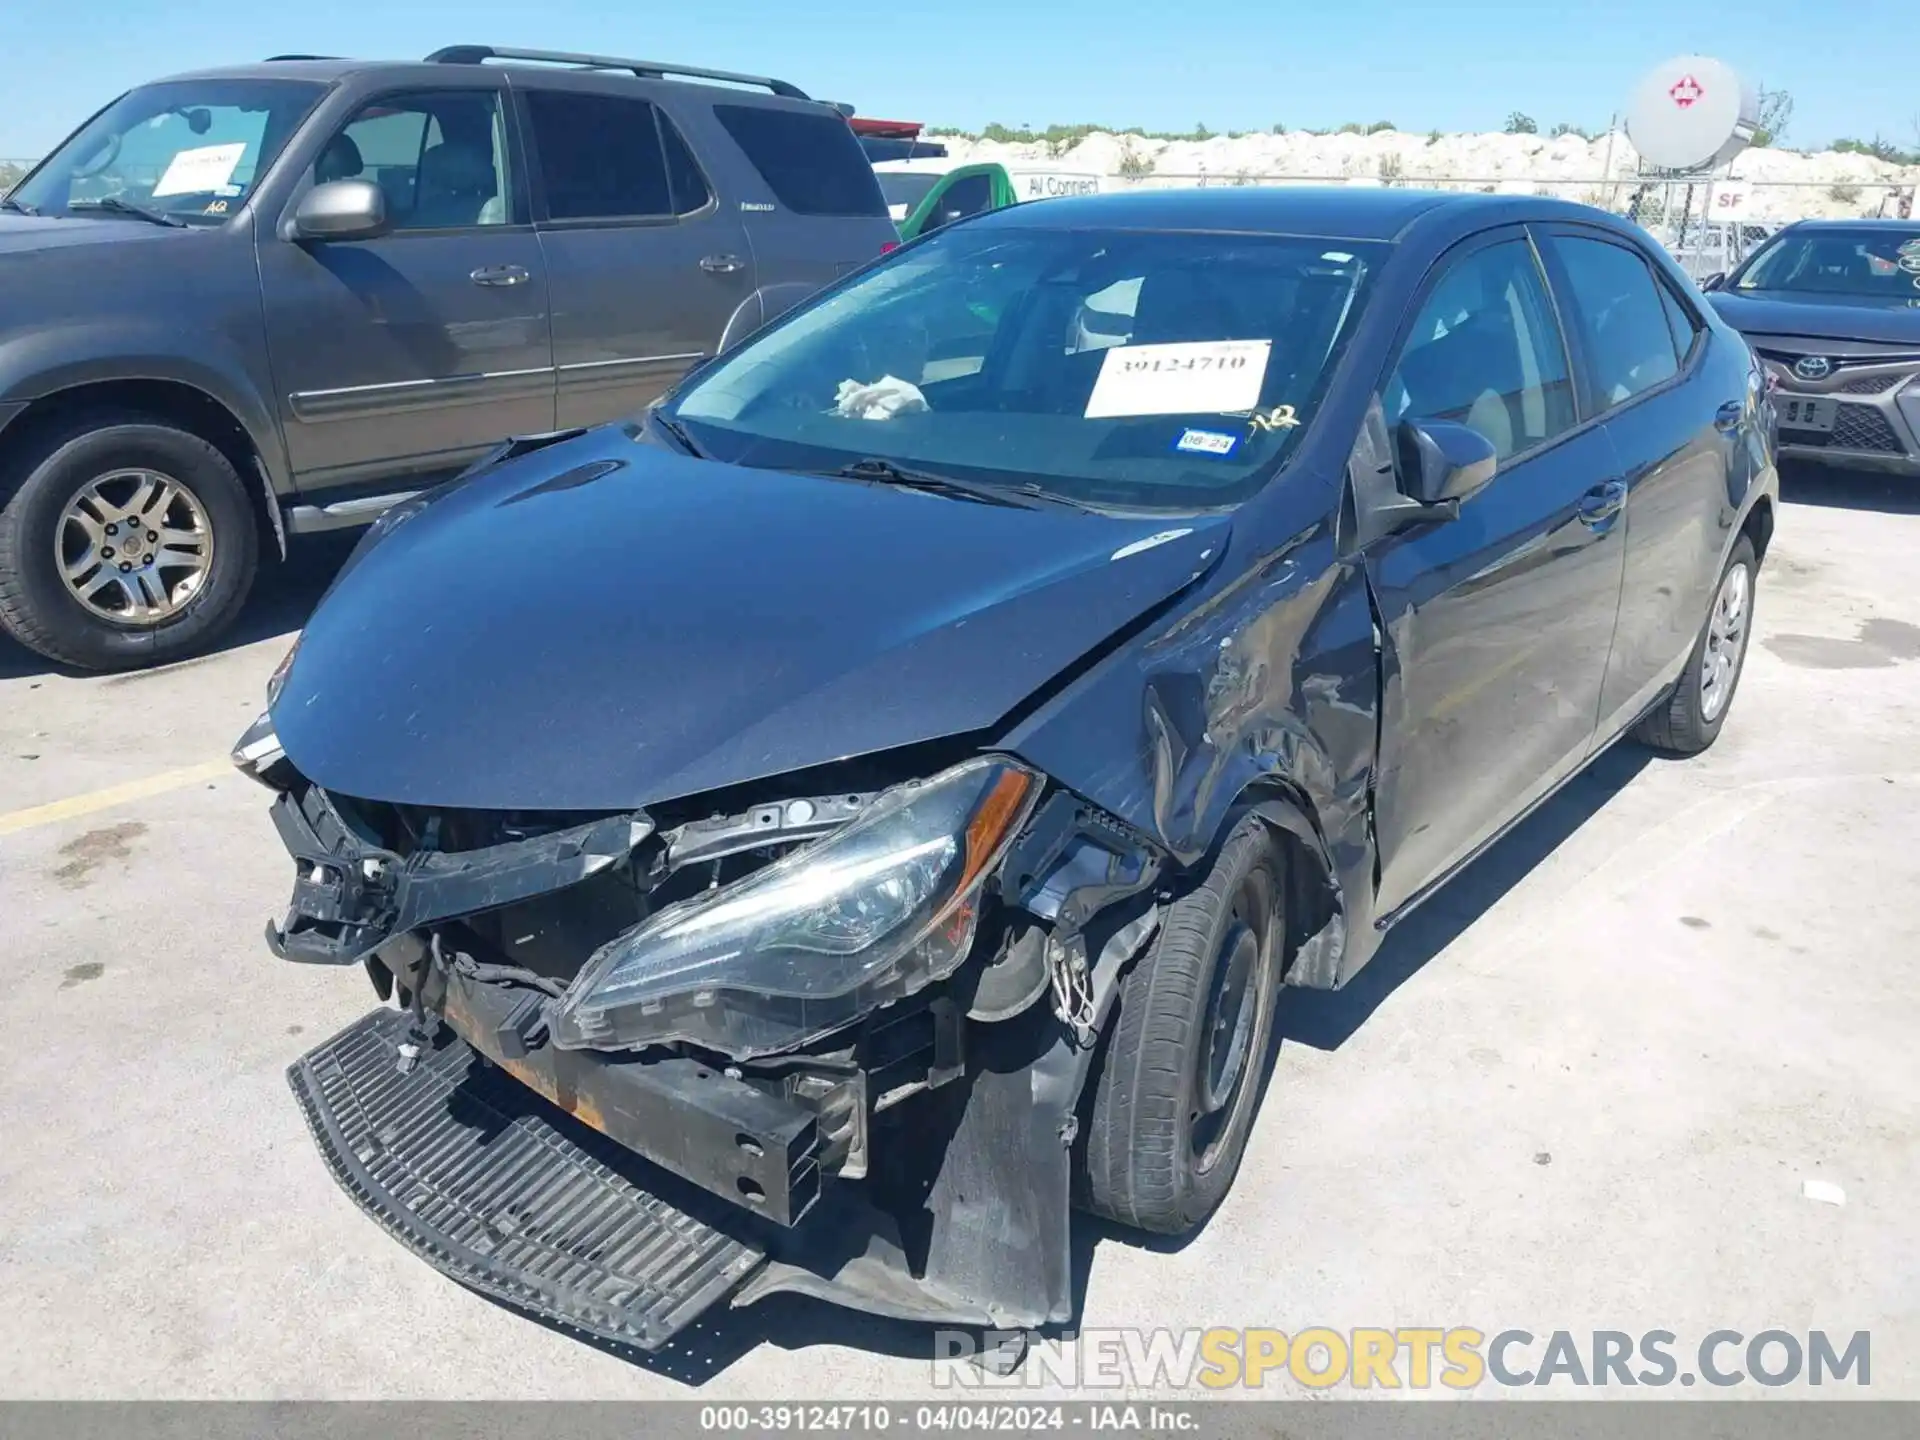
{"points": [[341, 210], [1714, 281], [1440, 463]]}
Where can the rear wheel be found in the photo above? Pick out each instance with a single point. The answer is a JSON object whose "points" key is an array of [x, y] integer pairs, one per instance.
{"points": [[1690, 719], [1188, 1050], [125, 542]]}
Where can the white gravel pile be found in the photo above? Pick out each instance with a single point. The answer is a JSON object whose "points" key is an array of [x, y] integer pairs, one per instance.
{"points": [[1786, 184]]}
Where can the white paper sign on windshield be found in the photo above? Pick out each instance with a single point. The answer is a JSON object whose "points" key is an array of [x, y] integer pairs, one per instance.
{"points": [[1207, 377], [202, 170]]}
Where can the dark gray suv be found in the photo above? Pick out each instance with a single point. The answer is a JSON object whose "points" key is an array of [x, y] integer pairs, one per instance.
{"points": [[250, 304]]}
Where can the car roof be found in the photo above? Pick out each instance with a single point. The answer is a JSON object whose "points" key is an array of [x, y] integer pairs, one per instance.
{"points": [[1872, 223], [1347, 212]]}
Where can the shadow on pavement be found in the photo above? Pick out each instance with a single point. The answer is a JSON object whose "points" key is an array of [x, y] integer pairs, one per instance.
{"points": [[1325, 1018], [1826, 485], [283, 597]]}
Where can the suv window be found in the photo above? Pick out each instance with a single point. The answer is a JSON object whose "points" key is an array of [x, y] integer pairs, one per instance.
{"points": [[611, 157], [809, 160], [1623, 324], [440, 158], [1486, 352]]}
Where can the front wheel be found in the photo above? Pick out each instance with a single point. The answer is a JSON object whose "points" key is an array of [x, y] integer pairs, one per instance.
{"points": [[1189, 1048], [124, 542], [1689, 720]]}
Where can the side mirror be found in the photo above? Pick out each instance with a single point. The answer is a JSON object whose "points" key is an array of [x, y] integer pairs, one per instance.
{"points": [[1714, 281], [1440, 463], [341, 210]]}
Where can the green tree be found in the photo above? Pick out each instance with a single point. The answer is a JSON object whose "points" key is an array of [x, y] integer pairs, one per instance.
{"points": [[1776, 111], [1518, 124]]}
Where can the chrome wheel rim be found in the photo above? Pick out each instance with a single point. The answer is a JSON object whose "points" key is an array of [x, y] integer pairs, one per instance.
{"points": [[1726, 641], [134, 546]]}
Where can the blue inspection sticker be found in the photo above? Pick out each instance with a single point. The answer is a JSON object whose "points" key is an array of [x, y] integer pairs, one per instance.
{"points": [[1207, 442]]}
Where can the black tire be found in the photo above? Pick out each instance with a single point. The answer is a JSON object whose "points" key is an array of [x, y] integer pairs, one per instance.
{"points": [[36, 485], [1681, 725], [1161, 1152]]}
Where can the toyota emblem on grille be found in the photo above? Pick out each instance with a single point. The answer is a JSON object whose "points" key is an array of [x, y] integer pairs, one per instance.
{"points": [[1813, 367]]}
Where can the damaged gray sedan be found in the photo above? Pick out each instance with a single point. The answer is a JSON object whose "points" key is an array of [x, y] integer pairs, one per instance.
{"points": [[814, 836]]}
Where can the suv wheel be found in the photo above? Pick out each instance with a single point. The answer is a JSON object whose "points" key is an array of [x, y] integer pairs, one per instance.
{"points": [[1187, 1055], [1689, 720], [124, 542]]}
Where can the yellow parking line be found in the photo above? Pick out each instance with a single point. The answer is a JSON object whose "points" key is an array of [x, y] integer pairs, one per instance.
{"points": [[76, 805]]}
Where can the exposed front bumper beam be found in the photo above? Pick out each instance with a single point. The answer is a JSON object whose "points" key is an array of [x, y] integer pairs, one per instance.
{"points": [[495, 1186]]}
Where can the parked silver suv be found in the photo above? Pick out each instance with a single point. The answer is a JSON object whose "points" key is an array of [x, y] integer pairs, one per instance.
{"points": [[254, 303]]}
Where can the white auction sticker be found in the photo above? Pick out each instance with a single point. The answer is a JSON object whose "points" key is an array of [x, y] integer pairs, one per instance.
{"points": [[1208, 377], [201, 171]]}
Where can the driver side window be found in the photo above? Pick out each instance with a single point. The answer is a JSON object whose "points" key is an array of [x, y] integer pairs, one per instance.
{"points": [[1486, 352], [440, 159]]}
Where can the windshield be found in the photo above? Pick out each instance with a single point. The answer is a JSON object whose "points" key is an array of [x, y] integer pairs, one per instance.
{"points": [[191, 149], [1116, 369], [904, 190], [1867, 264]]}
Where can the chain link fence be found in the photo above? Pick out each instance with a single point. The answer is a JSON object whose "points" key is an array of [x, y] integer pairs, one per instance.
{"points": [[1708, 225]]}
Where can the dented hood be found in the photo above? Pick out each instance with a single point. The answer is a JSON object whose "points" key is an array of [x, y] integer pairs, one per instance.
{"points": [[605, 624]]}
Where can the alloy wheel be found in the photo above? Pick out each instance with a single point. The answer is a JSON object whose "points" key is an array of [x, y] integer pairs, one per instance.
{"points": [[134, 546], [1726, 641]]}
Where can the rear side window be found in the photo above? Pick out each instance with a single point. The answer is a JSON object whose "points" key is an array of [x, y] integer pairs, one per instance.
{"points": [[1622, 318], [1685, 329], [810, 160], [611, 157]]}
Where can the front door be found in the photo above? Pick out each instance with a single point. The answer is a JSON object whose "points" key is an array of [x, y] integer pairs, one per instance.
{"points": [[648, 267], [407, 355], [1499, 621]]}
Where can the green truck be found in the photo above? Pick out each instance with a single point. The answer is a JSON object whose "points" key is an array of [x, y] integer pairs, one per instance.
{"points": [[925, 193]]}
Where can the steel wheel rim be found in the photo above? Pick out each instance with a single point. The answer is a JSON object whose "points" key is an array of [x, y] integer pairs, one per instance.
{"points": [[1231, 1045], [1727, 627], [134, 546]]}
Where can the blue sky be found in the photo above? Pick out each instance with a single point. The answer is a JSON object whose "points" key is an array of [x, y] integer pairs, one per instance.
{"points": [[1228, 63]]}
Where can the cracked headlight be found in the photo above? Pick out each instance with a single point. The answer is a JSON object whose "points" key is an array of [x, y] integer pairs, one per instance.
{"points": [[875, 911]]}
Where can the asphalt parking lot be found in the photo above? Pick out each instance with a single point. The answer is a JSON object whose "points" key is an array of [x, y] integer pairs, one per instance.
{"points": [[1584, 1088]]}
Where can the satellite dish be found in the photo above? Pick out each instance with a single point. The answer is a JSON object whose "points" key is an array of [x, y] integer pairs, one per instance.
{"points": [[1692, 113]]}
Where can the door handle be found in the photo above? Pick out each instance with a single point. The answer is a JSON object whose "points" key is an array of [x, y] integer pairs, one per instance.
{"points": [[1727, 417], [722, 264], [499, 275], [1602, 503]]}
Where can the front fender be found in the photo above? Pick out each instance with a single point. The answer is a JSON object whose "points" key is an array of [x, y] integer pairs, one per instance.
{"points": [[49, 359], [1264, 691]]}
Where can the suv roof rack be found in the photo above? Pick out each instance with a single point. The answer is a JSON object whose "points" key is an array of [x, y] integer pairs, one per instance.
{"points": [[645, 69]]}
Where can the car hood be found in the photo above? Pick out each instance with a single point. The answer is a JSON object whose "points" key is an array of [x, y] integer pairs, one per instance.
{"points": [[1775, 312], [26, 234], [605, 624]]}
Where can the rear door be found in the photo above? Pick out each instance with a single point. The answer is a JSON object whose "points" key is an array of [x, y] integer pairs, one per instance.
{"points": [[409, 354], [647, 263], [1674, 415], [813, 207], [1498, 621]]}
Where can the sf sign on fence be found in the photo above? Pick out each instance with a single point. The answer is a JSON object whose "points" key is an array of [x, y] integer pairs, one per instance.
{"points": [[1731, 199]]}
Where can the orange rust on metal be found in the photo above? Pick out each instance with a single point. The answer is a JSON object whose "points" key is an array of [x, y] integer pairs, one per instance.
{"points": [[468, 1027]]}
